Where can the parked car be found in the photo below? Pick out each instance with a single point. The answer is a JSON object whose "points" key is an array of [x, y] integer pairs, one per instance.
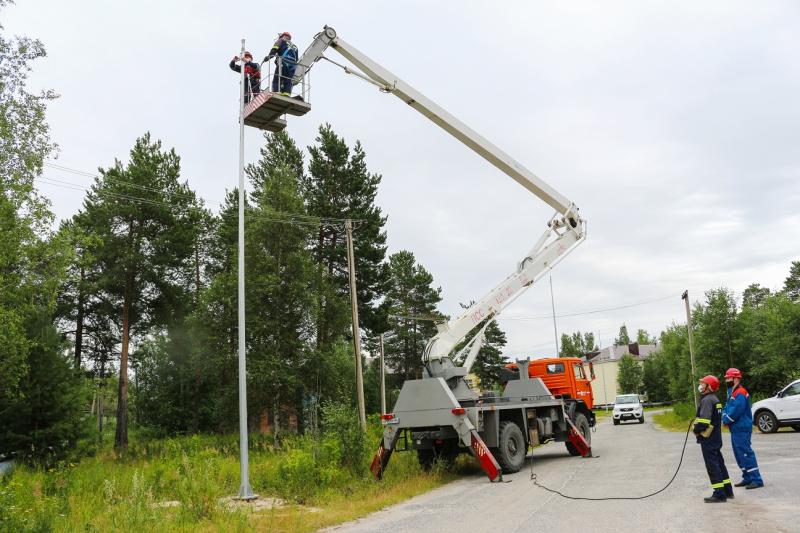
{"points": [[781, 410], [628, 407]]}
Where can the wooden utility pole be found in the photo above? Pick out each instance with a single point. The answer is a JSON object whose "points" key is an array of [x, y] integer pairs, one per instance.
{"points": [[351, 266], [685, 298], [383, 380]]}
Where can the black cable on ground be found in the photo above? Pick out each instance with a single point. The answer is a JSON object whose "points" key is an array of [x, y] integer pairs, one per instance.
{"points": [[662, 489]]}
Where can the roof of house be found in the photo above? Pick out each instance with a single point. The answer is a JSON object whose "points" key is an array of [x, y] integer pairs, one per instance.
{"points": [[614, 353]]}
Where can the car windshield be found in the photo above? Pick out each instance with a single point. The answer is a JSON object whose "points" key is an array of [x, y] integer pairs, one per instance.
{"points": [[627, 399]]}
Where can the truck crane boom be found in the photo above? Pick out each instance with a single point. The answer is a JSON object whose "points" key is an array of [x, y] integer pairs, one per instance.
{"points": [[440, 415], [564, 230]]}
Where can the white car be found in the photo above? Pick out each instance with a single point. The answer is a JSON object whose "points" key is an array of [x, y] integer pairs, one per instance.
{"points": [[628, 407], [781, 410]]}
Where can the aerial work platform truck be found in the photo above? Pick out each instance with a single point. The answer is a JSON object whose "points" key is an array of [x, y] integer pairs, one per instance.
{"points": [[440, 415]]}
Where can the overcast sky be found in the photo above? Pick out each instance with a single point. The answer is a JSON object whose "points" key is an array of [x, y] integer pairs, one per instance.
{"points": [[674, 126]]}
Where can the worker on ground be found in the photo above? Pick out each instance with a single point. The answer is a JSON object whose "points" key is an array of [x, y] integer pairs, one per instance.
{"points": [[252, 73], [285, 53], [708, 430], [739, 419]]}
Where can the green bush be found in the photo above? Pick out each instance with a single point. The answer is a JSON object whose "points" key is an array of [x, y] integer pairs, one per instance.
{"points": [[684, 410], [341, 429]]}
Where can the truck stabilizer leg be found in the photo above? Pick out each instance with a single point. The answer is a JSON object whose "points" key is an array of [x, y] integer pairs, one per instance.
{"points": [[485, 458], [578, 441], [380, 461]]}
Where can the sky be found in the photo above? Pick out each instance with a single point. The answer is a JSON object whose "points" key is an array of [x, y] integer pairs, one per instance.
{"points": [[673, 126]]}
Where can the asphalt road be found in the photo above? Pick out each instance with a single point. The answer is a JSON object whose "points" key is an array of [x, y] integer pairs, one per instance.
{"points": [[632, 459]]}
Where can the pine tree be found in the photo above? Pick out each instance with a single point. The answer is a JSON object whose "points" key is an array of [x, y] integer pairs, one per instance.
{"points": [[143, 218], [629, 376], [642, 337], [338, 185], [791, 286], [411, 309], [622, 339]]}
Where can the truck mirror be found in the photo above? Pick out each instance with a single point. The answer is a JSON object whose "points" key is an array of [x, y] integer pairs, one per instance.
{"points": [[591, 370]]}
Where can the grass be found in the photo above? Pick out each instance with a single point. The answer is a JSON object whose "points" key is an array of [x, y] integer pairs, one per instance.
{"points": [[128, 493]]}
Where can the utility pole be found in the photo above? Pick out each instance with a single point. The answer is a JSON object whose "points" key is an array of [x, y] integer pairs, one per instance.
{"points": [[553, 304], [351, 266], [685, 298], [383, 380], [245, 491]]}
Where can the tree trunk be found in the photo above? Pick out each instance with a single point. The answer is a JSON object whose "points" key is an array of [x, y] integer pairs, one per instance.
{"points": [[79, 322], [121, 438]]}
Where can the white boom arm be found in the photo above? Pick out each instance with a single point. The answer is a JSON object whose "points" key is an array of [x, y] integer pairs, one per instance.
{"points": [[565, 230]]}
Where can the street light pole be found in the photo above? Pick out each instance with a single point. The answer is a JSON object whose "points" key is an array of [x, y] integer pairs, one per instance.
{"points": [[553, 304], [245, 491], [685, 298]]}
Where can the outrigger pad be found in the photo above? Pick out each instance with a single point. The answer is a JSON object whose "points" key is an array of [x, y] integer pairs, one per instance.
{"points": [[266, 108]]}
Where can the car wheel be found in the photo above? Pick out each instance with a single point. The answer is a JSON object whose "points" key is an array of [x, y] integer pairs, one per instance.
{"points": [[641, 420], [583, 428], [616, 421], [512, 450], [766, 422], [796, 428]]}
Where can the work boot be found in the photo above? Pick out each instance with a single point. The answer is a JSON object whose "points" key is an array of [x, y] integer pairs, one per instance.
{"points": [[754, 485], [742, 483], [715, 499]]}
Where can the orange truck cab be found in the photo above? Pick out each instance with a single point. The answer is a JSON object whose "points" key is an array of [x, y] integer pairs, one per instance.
{"points": [[565, 377]]}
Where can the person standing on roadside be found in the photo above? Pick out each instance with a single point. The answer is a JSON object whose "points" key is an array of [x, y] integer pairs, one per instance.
{"points": [[739, 419], [708, 430]]}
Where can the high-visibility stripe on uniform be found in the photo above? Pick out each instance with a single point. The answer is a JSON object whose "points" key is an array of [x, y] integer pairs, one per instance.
{"points": [[751, 469], [717, 485], [726, 481], [719, 406], [703, 421]]}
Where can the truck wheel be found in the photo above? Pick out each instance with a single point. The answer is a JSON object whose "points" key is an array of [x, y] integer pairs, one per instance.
{"points": [[512, 450], [583, 428], [426, 458]]}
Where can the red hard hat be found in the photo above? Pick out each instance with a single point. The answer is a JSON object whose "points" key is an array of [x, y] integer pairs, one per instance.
{"points": [[733, 373], [287, 34], [247, 54], [711, 381]]}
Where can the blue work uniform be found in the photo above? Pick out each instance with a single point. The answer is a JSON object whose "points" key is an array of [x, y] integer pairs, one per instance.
{"points": [[739, 419], [708, 430], [285, 54]]}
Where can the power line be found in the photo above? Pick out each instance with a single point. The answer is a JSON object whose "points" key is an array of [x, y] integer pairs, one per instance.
{"points": [[307, 220], [593, 311], [128, 183]]}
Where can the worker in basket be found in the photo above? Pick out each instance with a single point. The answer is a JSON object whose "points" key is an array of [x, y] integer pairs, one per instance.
{"points": [[285, 53], [252, 73], [739, 419], [708, 430]]}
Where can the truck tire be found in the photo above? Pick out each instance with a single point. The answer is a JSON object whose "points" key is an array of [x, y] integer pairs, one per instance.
{"points": [[583, 428], [426, 458], [512, 450]]}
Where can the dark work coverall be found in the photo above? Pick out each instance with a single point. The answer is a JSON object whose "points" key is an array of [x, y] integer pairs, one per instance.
{"points": [[739, 419], [285, 54], [252, 73], [709, 416]]}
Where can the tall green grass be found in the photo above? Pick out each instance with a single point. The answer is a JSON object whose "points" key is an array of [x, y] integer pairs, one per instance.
{"points": [[132, 492]]}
